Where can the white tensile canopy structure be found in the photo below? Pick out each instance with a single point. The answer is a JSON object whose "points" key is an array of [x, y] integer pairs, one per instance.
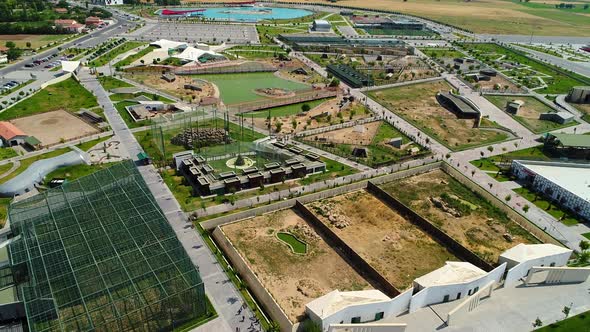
{"points": [[70, 66]]}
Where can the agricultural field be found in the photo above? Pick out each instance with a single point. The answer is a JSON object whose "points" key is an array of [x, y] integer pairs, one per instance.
{"points": [[493, 16], [372, 136], [36, 41], [465, 216], [68, 95], [399, 250], [544, 78], [528, 114], [293, 279], [417, 104]]}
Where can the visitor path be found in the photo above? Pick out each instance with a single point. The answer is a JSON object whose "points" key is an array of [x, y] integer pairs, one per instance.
{"points": [[223, 295]]}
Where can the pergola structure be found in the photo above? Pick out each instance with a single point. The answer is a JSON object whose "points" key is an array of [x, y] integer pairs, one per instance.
{"points": [[98, 254]]}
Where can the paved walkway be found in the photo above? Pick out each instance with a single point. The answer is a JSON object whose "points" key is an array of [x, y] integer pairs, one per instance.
{"points": [[509, 309], [222, 293]]}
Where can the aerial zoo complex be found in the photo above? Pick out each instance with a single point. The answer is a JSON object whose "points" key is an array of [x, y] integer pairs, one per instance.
{"points": [[312, 166]]}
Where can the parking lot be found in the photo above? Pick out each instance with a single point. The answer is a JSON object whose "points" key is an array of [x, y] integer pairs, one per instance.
{"points": [[207, 33]]}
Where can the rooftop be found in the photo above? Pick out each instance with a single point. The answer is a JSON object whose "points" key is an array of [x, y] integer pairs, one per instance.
{"points": [[336, 300], [572, 177], [9, 131], [451, 273], [573, 140], [523, 252]]}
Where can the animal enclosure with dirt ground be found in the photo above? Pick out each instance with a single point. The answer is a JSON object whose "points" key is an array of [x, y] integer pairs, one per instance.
{"points": [[54, 127], [417, 104], [292, 279], [399, 250], [459, 212], [528, 114]]}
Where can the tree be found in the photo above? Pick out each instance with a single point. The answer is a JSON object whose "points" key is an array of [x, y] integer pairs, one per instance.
{"points": [[537, 323], [584, 245], [28, 44], [566, 311], [10, 44], [294, 123], [278, 126], [334, 83], [13, 53], [491, 149], [305, 108], [526, 208]]}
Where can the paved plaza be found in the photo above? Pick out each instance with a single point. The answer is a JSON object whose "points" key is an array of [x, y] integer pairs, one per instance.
{"points": [[198, 32]]}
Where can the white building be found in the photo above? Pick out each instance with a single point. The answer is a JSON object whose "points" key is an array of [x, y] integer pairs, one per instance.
{"points": [[355, 307], [321, 26], [566, 183], [3, 58], [107, 2], [522, 257], [453, 281]]}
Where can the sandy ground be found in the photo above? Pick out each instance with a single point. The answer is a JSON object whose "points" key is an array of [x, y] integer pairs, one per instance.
{"points": [[398, 249], [53, 127], [418, 103], [585, 108], [498, 80], [307, 121], [175, 88], [293, 280], [358, 135], [480, 231]]}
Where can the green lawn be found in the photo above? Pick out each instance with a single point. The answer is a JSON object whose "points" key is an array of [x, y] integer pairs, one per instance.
{"points": [[120, 107], [586, 235], [578, 323], [72, 173], [266, 33], [105, 58], [109, 83], [237, 88], [560, 82], [90, 144], [125, 96], [534, 124], [297, 246], [436, 52], [68, 95], [6, 153], [544, 204], [286, 110], [130, 59]]}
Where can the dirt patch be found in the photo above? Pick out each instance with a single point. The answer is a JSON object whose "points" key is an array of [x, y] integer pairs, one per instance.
{"points": [[176, 88], [274, 93], [481, 227], [54, 127], [417, 103], [293, 280], [398, 249], [357, 135], [502, 82]]}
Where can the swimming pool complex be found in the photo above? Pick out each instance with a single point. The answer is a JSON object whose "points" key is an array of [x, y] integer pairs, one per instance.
{"points": [[241, 14]]}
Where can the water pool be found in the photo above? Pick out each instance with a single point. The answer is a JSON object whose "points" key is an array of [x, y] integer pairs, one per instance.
{"points": [[243, 14]]}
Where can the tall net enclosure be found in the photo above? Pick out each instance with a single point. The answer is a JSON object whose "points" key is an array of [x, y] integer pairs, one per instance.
{"points": [[98, 254]]}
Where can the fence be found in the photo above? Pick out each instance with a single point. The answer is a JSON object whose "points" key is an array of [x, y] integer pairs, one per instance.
{"points": [[448, 242], [302, 96], [512, 214], [289, 203], [348, 124], [470, 303], [268, 302], [248, 67], [355, 260]]}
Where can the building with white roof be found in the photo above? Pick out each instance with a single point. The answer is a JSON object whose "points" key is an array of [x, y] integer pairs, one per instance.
{"points": [[321, 26], [522, 257], [453, 281], [563, 182], [183, 51], [70, 66], [355, 307]]}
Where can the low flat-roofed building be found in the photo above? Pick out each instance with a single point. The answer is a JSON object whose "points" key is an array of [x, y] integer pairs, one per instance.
{"points": [[563, 182], [557, 117], [450, 273], [579, 95], [514, 106], [522, 257], [321, 26], [572, 146], [458, 105]]}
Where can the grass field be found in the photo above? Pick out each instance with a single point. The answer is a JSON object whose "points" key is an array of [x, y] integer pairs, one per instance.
{"points": [[298, 246], [480, 225], [237, 88], [417, 104], [130, 59], [6, 153], [559, 81], [35, 40], [109, 83], [68, 95], [110, 55], [25, 163], [548, 207], [400, 32], [267, 32], [492, 16], [442, 52], [579, 323], [528, 114]]}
